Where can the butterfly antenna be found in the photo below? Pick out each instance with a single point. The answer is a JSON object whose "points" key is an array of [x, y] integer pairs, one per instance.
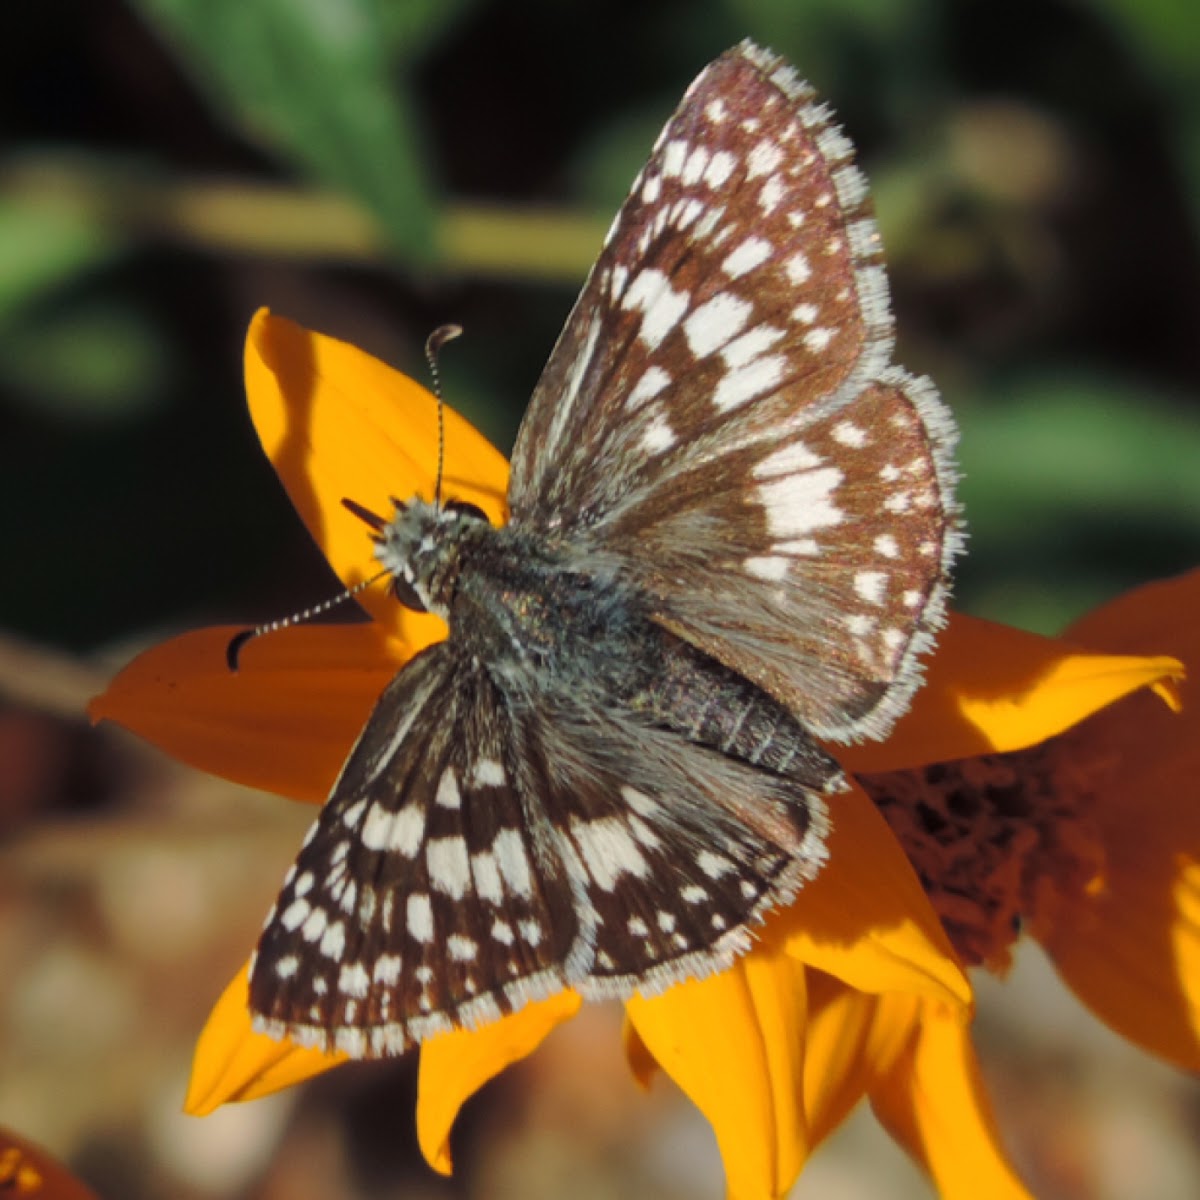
{"points": [[239, 640], [433, 346]]}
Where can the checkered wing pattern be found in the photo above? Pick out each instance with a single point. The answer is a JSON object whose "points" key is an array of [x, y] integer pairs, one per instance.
{"points": [[731, 527], [722, 421], [474, 857]]}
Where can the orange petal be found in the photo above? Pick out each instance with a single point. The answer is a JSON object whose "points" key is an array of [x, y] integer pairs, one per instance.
{"points": [[27, 1170], [336, 423], [734, 1043], [454, 1066], [933, 1103], [1129, 943], [990, 689], [232, 1062], [853, 1041], [1131, 950], [1156, 617], [285, 722], [865, 919]]}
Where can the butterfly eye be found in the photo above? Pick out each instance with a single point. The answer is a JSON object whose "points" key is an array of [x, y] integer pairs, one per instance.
{"points": [[466, 509], [407, 594]]}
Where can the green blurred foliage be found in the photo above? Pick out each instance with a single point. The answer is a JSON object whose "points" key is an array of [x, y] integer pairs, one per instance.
{"points": [[377, 167], [321, 82]]}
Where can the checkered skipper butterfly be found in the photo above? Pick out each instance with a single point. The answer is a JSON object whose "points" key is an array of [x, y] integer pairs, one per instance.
{"points": [[731, 525]]}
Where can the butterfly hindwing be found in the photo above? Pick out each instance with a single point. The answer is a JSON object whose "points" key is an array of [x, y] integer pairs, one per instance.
{"points": [[814, 564], [429, 893], [475, 855]]}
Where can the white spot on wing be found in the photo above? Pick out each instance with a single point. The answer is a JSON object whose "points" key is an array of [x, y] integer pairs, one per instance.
{"points": [[295, 915], [448, 865], [763, 159], [870, 585], [800, 503], [750, 345], [487, 877], [448, 795], [772, 192], [849, 434], [387, 969], [400, 832], [653, 380], [713, 865], [419, 917], [509, 851], [462, 949], [488, 772], [714, 322], [753, 252], [354, 980], [798, 269], [695, 165], [818, 338], [333, 943], [720, 168], [641, 804], [658, 435], [744, 383], [660, 305], [789, 459], [674, 157], [608, 850], [314, 927], [768, 566]]}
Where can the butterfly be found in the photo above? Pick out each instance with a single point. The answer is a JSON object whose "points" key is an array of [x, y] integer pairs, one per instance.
{"points": [[732, 521]]}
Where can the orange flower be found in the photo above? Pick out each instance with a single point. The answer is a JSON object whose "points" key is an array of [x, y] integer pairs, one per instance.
{"points": [[1091, 842], [855, 984]]}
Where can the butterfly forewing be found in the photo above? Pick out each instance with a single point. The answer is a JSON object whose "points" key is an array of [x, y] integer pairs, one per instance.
{"points": [[720, 417]]}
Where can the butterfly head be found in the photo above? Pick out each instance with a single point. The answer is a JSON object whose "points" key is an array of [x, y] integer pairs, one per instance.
{"points": [[420, 547]]}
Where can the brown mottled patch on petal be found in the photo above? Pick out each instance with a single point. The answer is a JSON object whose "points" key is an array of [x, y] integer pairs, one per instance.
{"points": [[995, 841]]}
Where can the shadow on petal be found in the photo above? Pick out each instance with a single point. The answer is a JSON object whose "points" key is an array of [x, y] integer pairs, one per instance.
{"points": [[933, 1102], [865, 919], [853, 1041], [336, 423]]}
